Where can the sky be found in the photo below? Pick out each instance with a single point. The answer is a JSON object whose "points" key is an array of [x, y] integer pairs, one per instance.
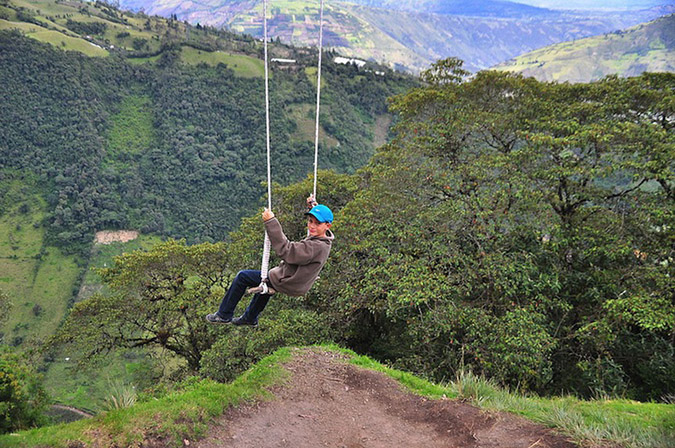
{"points": [[596, 4]]}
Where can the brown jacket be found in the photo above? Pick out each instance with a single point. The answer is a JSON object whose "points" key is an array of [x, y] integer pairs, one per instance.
{"points": [[302, 260]]}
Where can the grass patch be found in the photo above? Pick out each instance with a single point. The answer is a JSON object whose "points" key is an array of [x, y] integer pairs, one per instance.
{"points": [[304, 116], [242, 65], [38, 279], [311, 73], [68, 43], [132, 129], [21, 26], [141, 61], [45, 7], [55, 38], [38, 313], [178, 416]]}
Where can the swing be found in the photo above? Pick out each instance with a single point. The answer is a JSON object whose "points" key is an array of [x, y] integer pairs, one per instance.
{"points": [[264, 287]]}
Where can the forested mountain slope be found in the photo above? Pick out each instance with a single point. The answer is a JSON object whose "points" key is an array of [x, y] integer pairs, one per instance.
{"points": [[160, 130], [649, 47], [172, 146], [518, 229]]}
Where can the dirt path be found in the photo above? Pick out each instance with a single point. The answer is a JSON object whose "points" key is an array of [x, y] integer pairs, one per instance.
{"points": [[72, 410], [329, 403]]}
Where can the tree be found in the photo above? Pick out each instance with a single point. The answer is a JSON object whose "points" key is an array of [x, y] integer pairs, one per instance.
{"points": [[159, 299], [445, 71], [22, 397], [504, 221]]}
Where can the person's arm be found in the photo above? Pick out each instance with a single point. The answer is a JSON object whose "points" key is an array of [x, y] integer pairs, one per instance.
{"points": [[300, 252]]}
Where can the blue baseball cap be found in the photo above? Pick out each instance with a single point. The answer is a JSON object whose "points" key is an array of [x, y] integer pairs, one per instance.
{"points": [[321, 213]]}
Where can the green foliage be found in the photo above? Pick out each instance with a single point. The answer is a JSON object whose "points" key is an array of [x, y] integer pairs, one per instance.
{"points": [[86, 28], [237, 349], [445, 71], [171, 148], [120, 396], [22, 397], [5, 306], [519, 229], [646, 313], [158, 299]]}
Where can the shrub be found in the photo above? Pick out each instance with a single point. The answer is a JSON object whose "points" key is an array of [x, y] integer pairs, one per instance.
{"points": [[238, 349], [22, 397]]}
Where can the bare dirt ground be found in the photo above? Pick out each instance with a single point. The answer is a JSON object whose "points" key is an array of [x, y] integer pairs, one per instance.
{"points": [[329, 403], [113, 236]]}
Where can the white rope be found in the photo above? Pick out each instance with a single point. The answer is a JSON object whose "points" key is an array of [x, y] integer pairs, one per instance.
{"points": [[264, 268], [318, 100]]}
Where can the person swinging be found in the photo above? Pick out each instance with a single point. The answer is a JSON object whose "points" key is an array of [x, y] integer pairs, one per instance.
{"points": [[301, 261], [301, 264]]}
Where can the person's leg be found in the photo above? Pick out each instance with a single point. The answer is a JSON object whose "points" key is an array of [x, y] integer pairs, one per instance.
{"points": [[258, 303], [243, 280]]}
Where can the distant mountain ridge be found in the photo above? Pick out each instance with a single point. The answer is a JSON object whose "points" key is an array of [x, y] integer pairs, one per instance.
{"points": [[477, 8], [408, 35], [647, 47]]}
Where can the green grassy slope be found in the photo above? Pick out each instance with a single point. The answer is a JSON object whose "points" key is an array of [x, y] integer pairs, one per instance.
{"points": [[38, 278], [132, 127], [88, 389], [42, 283], [647, 47], [64, 25], [242, 65], [185, 415]]}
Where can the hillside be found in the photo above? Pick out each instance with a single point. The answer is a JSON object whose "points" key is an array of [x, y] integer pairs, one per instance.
{"points": [[476, 8], [510, 229], [316, 396], [647, 47], [187, 99], [116, 121], [40, 275], [407, 35], [328, 402]]}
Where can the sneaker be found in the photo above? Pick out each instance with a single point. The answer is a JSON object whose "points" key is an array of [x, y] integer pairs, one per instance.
{"points": [[240, 321], [216, 319]]}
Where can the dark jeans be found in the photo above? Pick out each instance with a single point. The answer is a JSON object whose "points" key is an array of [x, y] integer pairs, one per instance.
{"points": [[243, 280]]}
